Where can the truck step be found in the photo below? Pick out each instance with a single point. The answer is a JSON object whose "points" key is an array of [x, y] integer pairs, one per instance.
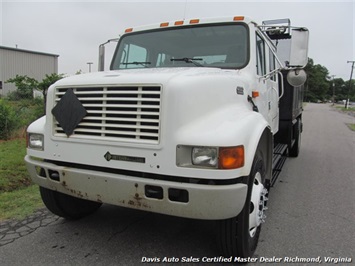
{"points": [[280, 148], [278, 160]]}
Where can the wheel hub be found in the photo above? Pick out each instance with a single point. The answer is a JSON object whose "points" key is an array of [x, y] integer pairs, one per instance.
{"points": [[257, 204]]}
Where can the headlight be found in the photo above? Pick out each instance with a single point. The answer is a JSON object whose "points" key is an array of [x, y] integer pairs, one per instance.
{"points": [[205, 156], [36, 141], [210, 157]]}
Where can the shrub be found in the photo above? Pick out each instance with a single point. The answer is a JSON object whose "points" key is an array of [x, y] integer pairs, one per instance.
{"points": [[28, 110], [8, 120]]}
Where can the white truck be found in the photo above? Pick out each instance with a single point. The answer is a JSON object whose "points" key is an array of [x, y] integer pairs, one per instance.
{"points": [[194, 119]]}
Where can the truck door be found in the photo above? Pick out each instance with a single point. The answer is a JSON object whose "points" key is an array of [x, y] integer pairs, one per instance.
{"points": [[267, 86], [273, 94]]}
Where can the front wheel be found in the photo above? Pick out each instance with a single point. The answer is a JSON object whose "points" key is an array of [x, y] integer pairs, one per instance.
{"points": [[238, 236], [67, 206]]}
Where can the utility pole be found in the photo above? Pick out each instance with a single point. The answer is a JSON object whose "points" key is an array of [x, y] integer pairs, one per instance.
{"points": [[89, 63], [350, 83], [333, 89]]}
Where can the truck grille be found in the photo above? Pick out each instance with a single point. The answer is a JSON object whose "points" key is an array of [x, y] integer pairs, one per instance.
{"points": [[129, 114]]}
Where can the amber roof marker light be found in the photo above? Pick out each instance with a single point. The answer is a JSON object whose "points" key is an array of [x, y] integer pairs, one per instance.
{"points": [[238, 18], [179, 22], [164, 24], [194, 21], [128, 30]]}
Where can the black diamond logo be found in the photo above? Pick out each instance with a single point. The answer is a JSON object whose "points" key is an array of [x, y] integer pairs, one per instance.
{"points": [[69, 112], [108, 156]]}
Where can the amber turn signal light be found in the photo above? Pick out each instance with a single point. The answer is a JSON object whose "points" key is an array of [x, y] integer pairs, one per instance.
{"points": [[255, 94], [231, 157]]}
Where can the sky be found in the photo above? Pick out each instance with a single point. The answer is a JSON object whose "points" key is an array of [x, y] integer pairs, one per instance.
{"points": [[75, 29]]}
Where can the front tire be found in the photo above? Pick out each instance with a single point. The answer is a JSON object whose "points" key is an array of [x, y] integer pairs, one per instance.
{"points": [[67, 206], [239, 236]]}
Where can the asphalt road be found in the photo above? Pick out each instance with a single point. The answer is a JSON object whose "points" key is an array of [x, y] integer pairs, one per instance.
{"points": [[311, 214]]}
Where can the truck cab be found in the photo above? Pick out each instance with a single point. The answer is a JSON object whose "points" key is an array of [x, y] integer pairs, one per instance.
{"points": [[182, 124]]}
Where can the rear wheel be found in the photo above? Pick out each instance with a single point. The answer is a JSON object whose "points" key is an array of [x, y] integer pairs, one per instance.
{"points": [[238, 236], [67, 206], [295, 149]]}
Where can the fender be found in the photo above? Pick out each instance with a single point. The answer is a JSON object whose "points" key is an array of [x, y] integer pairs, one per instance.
{"points": [[230, 126], [38, 126], [256, 134]]}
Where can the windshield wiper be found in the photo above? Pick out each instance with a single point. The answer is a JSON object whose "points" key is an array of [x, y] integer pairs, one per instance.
{"points": [[137, 63], [189, 60]]}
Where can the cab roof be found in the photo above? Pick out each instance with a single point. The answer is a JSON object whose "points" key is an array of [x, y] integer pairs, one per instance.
{"points": [[190, 22]]}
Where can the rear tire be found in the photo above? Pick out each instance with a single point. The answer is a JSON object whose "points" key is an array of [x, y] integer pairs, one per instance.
{"points": [[67, 206], [239, 236], [295, 149]]}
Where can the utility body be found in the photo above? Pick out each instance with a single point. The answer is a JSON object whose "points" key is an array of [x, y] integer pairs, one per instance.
{"points": [[185, 123]]}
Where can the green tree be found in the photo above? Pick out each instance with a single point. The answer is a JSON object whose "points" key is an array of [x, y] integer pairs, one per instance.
{"points": [[349, 90], [46, 83], [337, 86], [25, 86], [317, 82]]}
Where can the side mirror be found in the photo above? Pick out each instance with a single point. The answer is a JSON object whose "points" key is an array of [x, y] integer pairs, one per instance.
{"points": [[299, 48], [296, 77], [101, 63]]}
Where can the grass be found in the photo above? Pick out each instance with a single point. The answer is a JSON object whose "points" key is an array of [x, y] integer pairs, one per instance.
{"points": [[350, 109], [351, 126], [13, 172], [18, 196], [18, 204]]}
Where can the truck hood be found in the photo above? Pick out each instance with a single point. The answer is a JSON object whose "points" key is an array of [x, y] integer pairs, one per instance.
{"points": [[152, 75]]}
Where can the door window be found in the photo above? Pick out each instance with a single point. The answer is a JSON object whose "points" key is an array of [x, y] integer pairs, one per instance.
{"points": [[260, 56], [272, 65]]}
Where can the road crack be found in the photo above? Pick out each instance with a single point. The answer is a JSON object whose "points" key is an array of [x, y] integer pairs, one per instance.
{"points": [[126, 228], [11, 230]]}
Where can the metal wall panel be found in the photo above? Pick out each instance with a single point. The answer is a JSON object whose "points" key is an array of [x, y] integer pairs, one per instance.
{"points": [[21, 62]]}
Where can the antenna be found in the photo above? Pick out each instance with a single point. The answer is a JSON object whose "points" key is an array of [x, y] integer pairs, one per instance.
{"points": [[185, 9]]}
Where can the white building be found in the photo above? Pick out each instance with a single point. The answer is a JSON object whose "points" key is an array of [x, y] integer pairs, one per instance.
{"points": [[21, 62]]}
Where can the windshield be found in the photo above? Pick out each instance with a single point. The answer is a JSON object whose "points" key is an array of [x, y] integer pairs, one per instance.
{"points": [[223, 46]]}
